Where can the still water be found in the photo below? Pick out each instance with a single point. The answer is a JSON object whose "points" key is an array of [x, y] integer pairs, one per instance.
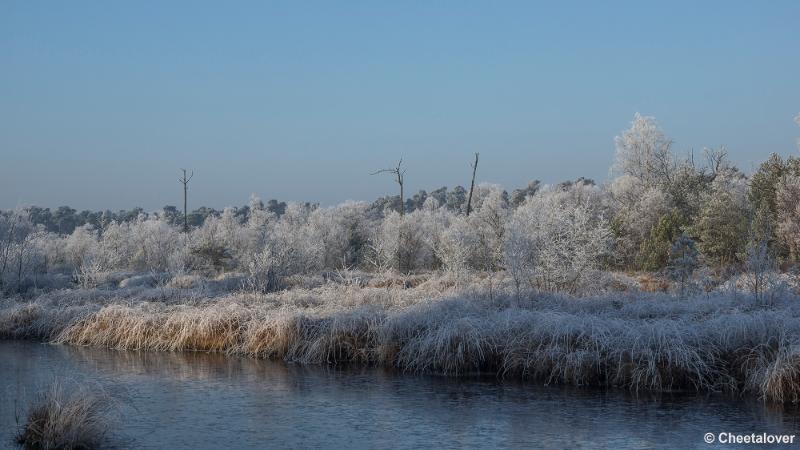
{"points": [[202, 401]]}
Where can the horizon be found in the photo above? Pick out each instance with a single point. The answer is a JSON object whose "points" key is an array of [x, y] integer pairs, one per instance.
{"points": [[104, 103]]}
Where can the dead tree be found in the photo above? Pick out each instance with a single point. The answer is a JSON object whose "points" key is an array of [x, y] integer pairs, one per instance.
{"points": [[716, 159], [399, 174], [472, 186], [185, 182]]}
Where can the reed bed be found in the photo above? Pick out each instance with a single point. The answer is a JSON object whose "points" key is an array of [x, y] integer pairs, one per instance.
{"points": [[723, 342]]}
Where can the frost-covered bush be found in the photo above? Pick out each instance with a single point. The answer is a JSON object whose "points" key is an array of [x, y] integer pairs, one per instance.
{"points": [[489, 222], [457, 245], [268, 269], [343, 234], [81, 245], [401, 244], [761, 277], [556, 243], [292, 236]]}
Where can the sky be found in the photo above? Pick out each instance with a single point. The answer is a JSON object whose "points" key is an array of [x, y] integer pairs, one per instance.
{"points": [[102, 102]]}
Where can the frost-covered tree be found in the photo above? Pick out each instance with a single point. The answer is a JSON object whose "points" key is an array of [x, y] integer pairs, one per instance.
{"points": [[644, 152], [797, 121], [456, 199], [763, 194], [787, 205], [416, 201], [81, 245], [488, 221], [521, 251], [637, 212], [723, 222], [760, 268], [655, 249], [260, 221], [518, 196], [457, 245], [17, 234], [440, 195]]}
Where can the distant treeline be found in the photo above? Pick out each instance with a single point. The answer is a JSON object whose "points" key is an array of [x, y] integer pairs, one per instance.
{"points": [[64, 219]]}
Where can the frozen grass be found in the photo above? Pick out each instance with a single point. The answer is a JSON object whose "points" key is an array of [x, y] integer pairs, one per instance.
{"points": [[62, 420], [725, 342]]}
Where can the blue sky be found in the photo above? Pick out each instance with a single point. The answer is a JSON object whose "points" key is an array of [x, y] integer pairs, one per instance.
{"points": [[102, 102]]}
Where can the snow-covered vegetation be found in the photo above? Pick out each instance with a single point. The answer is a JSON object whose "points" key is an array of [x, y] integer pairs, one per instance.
{"points": [[721, 341], [674, 275]]}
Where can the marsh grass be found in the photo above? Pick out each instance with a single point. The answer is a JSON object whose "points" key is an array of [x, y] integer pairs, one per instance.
{"points": [[66, 417], [637, 340]]}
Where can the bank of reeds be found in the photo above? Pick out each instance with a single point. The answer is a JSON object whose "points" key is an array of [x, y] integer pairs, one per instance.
{"points": [[641, 341]]}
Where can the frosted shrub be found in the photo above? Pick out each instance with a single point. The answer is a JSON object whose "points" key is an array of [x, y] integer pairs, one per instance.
{"points": [[556, 244], [521, 252], [400, 244], [221, 242], [259, 225], [155, 241], [81, 245], [267, 270], [292, 237], [761, 277], [489, 222], [89, 274], [456, 247], [342, 233], [117, 247]]}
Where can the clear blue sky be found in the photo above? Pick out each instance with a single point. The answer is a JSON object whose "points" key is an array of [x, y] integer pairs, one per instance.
{"points": [[102, 102]]}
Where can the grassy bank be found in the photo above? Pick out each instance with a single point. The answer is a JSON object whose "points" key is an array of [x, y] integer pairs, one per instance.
{"points": [[728, 342]]}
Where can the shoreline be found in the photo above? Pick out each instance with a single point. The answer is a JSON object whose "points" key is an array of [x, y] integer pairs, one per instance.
{"points": [[647, 343]]}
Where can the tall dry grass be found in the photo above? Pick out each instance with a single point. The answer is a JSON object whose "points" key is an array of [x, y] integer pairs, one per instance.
{"points": [[64, 419], [725, 342]]}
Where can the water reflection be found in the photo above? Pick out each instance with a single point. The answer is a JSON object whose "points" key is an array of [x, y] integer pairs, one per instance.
{"points": [[197, 400]]}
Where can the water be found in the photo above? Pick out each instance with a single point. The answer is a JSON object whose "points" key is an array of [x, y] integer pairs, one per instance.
{"points": [[198, 401]]}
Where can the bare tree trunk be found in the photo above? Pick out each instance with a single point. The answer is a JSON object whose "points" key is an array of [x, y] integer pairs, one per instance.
{"points": [[399, 175], [402, 197], [185, 181], [472, 185]]}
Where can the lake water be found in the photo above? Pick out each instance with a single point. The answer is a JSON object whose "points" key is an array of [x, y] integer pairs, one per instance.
{"points": [[199, 401]]}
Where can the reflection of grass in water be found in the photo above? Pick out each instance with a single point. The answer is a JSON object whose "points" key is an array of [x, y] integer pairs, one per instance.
{"points": [[67, 417], [645, 342]]}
